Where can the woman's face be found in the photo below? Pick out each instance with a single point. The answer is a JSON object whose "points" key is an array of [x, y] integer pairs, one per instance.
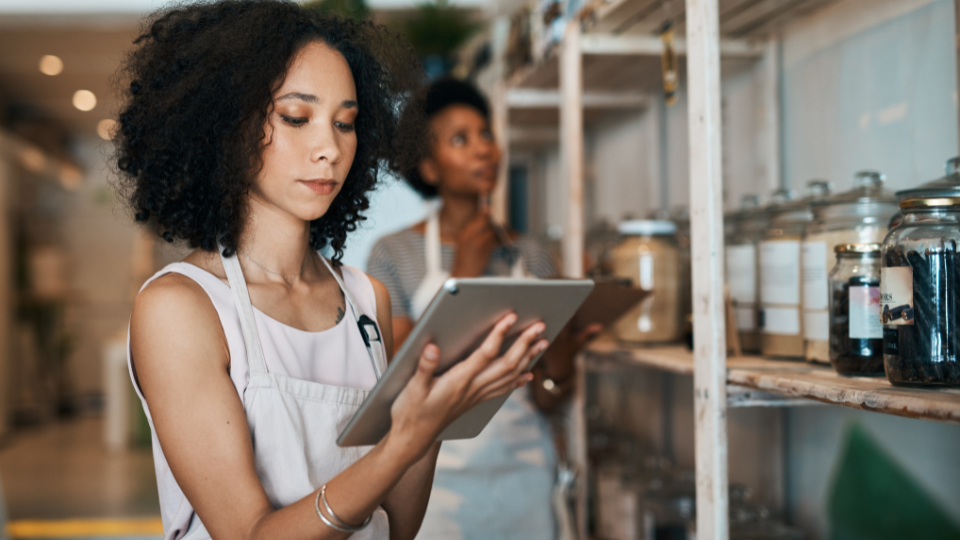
{"points": [[310, 140], [464, 157]]}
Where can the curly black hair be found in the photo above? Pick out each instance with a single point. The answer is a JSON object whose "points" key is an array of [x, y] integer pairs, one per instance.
{"points": [[430, 102], [198, 90]]}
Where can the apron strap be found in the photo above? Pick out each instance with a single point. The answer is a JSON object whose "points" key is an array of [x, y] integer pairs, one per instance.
{"points": [[248, 325], [432, 243], [369, 329]]}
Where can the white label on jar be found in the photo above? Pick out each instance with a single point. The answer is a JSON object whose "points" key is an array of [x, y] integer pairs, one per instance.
{"points": [[865, 313], [746, 319], [646, 271], [896, 295], [816, 325], [742, 273], [815, 294], [780, 272], [781, 322]]}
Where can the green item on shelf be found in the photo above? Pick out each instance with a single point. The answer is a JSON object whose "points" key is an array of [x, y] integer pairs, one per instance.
{"points": [[874, 498]]}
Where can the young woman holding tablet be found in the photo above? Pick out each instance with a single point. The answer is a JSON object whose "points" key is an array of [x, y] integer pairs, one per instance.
{"points": [[253, 131]]}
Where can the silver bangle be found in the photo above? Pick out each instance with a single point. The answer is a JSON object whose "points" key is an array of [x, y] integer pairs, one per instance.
{"points": [[339, 525]]}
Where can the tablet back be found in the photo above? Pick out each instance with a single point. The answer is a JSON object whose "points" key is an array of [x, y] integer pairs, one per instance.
{"points": [[457, 321]]}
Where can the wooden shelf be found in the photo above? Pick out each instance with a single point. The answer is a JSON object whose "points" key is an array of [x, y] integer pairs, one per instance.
{"points": [[751, 19], [791, 378]]}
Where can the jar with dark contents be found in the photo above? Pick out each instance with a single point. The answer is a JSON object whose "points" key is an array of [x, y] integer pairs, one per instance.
{"points": [[856, 334], [920, 294]]}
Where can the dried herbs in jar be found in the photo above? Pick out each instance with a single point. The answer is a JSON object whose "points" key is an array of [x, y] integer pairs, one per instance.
{"points": [[920, 294], [856, 334]]}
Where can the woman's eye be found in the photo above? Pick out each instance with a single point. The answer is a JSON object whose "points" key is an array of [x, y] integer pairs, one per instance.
{"points": [[458, 140], [344, 126], [296, 121]]}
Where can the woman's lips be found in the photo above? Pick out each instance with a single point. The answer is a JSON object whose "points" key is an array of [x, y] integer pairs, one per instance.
{"points": [[320, 187]]}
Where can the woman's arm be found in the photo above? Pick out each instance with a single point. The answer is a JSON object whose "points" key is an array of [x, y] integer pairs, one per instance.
{"points": [[181, 360]]}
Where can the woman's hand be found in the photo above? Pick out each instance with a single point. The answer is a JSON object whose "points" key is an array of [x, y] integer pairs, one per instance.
{"points": [[475, 241], [429, 404]]}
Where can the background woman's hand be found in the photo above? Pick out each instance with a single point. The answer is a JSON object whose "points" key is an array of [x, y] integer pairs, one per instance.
{"points": [[475, 242], [429, 403]]}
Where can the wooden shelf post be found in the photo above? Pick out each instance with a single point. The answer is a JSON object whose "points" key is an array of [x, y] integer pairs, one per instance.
{"points": [[706, 219], [571, 147]]}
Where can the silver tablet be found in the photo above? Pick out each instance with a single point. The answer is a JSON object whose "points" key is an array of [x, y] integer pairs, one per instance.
{"points": [[457, 321]]}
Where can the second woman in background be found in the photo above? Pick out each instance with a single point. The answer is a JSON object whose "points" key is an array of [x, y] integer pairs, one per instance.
{"points": [[498, 485]]}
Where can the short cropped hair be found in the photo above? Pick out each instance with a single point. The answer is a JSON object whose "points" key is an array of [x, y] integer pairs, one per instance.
{"points": [[432, 101]]}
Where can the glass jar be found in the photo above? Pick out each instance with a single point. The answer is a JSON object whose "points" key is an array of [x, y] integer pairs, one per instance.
{"points": [[920, 294], [648, 256], [858, 216], [856, 334], [780, 276], [746, 227]]}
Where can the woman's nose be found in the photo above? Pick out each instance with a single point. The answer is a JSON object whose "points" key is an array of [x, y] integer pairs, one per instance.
{"points": [[326, 147]]}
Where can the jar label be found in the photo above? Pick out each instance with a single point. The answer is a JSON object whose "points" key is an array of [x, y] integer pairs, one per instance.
{"points": [[815, 295], [865, 313], [896, 295], [742, 273], [780, 272], [781, 322], [746, 319], [816, 325]]}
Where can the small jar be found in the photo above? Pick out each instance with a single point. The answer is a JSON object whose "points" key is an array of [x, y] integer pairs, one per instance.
{"points": [[744, 229], [780, 274], [920, 294], [648, 256], [858, 216], [856, 334]]}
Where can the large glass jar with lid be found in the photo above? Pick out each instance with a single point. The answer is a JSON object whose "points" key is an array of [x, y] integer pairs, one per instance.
{"points": [[858, 216], [780, 276], [856, 333], [648, 256], [920, 294], [745, 228]]}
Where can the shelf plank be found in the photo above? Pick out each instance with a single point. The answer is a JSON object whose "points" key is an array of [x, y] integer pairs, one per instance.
{"points": [[793, 378]]}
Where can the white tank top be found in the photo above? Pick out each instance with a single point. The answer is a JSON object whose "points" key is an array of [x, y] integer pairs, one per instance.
{"points": [[336, 357]]}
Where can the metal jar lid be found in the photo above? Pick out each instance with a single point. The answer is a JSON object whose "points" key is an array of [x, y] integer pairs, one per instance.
{"points": [[947, 186], [646, 227], [866, 199], [798, 211], [858, 248], [930, 202]]}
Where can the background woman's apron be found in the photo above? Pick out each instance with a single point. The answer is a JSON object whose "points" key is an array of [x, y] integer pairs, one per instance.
{"points": [[293, 425], [498, 485]]}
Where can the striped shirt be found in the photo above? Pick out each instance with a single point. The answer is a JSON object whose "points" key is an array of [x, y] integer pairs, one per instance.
{"points": [[398, 260]]}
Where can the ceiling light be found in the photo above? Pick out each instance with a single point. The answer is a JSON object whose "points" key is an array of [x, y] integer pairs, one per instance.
{"points": [[51, 65], [84, 100], [106, 129]]}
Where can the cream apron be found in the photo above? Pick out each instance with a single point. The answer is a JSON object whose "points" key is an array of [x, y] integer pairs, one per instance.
{"points": [[499, 485], [294, 423]]}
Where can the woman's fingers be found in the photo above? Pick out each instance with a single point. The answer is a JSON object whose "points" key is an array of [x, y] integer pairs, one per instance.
{"points": [[489, 349], [508, 380], [512, 362], [426, 367]]}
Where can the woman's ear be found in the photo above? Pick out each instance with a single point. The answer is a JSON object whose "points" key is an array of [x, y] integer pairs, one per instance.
{"points": [[428, 172]]}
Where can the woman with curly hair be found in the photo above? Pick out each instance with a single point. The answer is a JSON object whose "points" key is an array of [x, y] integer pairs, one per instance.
{"points": [[253, 131]]}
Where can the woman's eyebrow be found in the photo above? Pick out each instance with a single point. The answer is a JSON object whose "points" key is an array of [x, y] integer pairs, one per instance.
{"points": [[310, 98]]}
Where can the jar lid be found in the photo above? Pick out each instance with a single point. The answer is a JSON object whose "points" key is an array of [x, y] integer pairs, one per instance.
{"points": [[866, 199], [946, 186], [791, 210], [930, 202], [857, 248], [646, 227]]}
